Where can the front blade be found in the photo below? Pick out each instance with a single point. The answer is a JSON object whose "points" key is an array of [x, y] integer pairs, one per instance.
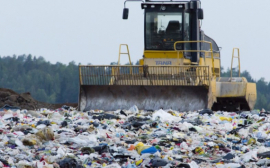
{"points": [[181, 98]]}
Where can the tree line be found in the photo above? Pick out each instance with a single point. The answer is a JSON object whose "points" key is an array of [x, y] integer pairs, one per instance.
{"points": [[47, 82], [59, 83]]}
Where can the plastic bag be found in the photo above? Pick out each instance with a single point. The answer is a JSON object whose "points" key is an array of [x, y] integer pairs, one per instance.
{"points": [[43, 164], [4, 162], [151, 150], [232, 165], [158, 162], [164, 116], [45, 134], [184, 146], [24, 164], [243, 133], [87, 150], [31, 140], [134, 109], [193, 165], [69, 163], [251, 155]]}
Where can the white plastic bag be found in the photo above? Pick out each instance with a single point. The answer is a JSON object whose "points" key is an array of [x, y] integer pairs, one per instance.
{"points": [[43, 164], [193, 165], [134, 109], [23, 163], [243, 132], [184, 146], [164, 116], [232, 165]]}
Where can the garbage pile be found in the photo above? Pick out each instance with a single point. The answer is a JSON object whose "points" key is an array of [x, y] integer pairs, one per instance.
{"points": [[67, 138], [9, 99]]}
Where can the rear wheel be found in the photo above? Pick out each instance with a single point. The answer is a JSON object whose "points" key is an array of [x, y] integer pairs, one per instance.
{"points": [[230, 104]]}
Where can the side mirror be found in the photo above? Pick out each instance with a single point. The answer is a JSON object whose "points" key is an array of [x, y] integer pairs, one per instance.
{"points": [[200, 14], [125, 13]]}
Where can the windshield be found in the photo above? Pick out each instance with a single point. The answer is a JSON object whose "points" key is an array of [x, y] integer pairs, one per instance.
{"points": [[164, 29]]}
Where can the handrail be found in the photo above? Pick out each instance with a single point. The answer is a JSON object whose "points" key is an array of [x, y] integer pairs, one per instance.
{"points": [[120, 47], [238, 56], [211, 51], [182, 75], [124, 53], [80, 71]]}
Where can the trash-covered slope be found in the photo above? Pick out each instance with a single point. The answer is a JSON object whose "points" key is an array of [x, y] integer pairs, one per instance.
{"points": [[24, 101]]}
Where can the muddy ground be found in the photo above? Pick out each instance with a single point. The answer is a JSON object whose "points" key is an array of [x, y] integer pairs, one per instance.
{"points": [[26, 101]]}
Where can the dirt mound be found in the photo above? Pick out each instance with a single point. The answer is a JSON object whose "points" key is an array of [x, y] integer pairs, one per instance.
{"points": [[25, 101]]}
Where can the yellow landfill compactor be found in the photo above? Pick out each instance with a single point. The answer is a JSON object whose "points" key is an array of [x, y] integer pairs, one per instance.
{"points": [[180, 68]]}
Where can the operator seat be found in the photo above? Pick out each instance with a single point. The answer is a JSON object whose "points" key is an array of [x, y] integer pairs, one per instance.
{"points": [[173, 27]]}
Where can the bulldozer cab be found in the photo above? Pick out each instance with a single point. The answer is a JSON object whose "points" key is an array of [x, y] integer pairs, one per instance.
{"points": [[163, 29], [167, 22], [180, 68]]}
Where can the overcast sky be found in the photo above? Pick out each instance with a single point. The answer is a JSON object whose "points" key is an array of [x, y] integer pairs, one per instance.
{"points": [[88, 31]]}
